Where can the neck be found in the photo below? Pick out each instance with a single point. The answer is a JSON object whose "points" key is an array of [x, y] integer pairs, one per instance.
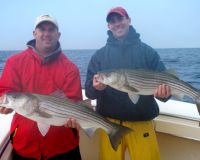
{"points": [[121, 38], [43, 52]]}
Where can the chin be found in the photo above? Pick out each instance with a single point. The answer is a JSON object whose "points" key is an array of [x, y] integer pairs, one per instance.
{"points": [[120, 36]]}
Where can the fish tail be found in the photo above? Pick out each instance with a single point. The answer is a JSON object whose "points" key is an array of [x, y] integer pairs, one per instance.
{"points": [[197, 101], [116, 135], [198, 107]]}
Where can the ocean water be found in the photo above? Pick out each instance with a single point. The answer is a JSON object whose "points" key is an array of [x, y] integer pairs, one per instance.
{"points": [[184, 61]]}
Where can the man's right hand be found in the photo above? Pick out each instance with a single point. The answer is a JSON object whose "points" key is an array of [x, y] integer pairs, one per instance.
{"points": [[98, 85], [4, 110]]}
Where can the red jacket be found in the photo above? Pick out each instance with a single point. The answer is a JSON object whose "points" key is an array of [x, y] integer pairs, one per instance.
{"points": [[27, 72]]}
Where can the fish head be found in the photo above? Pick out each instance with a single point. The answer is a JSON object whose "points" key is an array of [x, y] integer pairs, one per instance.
{"points": [[22, 103], [108, 77]]}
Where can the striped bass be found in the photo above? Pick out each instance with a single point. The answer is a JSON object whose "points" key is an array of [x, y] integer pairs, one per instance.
{"points": [[50, 110], [137, 82]]}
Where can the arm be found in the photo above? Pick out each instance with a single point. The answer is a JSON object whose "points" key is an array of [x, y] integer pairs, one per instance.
{"points": [[72, 88], [72, 84], [10, 79], [9, 82], [98, 85], [163, 92], [4, 110], [92, 87]]}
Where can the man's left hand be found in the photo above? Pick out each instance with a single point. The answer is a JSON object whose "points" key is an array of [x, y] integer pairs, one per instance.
{"points": [[163, 91], [72, 123]]}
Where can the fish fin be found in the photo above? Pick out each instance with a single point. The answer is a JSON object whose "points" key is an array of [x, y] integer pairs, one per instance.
{"points": [[43, 128], [59, 94], [171, 71], [89, 131], [131, 93], [43, 114], [86, 103], [179, 96], [197, 101], [134, 98], [198, 107], [116, 135], [129, 88]]}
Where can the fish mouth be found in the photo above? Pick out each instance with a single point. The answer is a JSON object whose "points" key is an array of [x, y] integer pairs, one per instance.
{"points": [[100, 78]]}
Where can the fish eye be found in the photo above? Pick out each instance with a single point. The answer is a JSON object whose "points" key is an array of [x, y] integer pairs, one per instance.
{"points": [[107, 74], [14, 95]]}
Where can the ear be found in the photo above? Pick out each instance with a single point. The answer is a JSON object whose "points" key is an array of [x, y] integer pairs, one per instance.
{"points": [[108, 26], [129, 19], [34, 33], [59, 34]]}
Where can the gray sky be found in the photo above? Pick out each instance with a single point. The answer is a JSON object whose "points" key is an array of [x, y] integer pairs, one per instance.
{"points": [[161, 23]]}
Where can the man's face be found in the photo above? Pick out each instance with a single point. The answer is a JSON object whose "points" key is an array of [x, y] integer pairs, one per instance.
{"points": [[119, 25], [47, 36]]}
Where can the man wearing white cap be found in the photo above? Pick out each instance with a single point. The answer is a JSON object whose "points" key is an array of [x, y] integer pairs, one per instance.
{"points": [[124, 50], [42, 68]]}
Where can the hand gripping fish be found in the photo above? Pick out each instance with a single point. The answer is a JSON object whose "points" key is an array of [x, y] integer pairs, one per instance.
{"points": [[138, 82], [50, 110]]}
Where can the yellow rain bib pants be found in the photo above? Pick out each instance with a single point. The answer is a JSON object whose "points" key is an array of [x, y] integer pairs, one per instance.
{"points": [[141, 143]]}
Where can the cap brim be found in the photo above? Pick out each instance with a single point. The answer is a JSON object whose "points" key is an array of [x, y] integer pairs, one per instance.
{"points": [[110, 14], [48, 21]]}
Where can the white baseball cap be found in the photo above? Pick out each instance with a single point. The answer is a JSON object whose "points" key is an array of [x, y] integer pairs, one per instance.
{"points": [[45, 18]]}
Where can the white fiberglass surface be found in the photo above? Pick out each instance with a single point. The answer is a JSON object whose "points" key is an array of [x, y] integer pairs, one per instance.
{"points": [[5, 121], [179, 108]]}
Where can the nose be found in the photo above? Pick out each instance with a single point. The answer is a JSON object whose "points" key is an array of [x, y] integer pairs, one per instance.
{"points": [[46, 32]]}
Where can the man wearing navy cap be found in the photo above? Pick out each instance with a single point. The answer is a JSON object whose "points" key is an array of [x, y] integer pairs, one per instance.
{"points": [[124, 50]]}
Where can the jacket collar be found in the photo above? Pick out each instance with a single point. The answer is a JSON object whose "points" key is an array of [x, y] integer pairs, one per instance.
{"points": [[52, 56]]}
